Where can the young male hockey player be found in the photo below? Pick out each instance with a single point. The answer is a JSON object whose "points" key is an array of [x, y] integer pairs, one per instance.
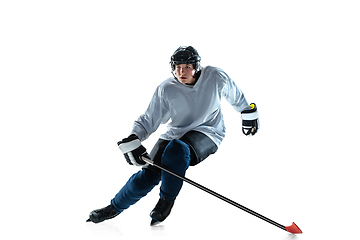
{"points": [[191, 100]]}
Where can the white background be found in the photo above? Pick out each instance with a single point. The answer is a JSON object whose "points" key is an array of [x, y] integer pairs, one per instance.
{"points": [[76, 74]]}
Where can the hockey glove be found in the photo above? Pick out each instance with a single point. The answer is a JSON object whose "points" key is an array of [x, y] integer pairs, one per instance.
{"points": [[133, 150], [250, 120]]}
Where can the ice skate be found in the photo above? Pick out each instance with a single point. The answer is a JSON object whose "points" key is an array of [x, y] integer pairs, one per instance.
{"points": [[161, 211], [102, 214]]}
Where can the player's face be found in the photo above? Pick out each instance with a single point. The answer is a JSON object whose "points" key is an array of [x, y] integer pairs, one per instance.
{"points": [[185, 73]]}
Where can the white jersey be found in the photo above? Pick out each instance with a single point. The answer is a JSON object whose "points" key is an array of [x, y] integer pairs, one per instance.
{"points": [[188, 107]]}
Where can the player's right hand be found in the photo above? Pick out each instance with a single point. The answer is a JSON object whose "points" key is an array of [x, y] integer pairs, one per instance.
{"points": [[133, 150]]}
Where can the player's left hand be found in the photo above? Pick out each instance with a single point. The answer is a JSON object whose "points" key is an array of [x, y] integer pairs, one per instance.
{"points": [[250, 120]]}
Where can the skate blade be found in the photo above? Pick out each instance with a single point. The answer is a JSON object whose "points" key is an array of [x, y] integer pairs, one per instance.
{"points": [[154, 222]]}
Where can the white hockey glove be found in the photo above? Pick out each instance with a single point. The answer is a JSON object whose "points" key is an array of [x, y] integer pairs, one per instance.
{"points": [[133, 150], [250, 120]]}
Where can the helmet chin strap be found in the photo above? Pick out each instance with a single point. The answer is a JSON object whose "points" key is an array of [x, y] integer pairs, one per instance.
{"points": [[172, 72]]}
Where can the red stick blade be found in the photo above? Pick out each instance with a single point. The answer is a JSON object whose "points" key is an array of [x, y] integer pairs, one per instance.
{"points": [[293, 229]]}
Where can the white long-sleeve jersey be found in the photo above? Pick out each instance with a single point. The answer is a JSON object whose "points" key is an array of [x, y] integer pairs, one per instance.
{"points": [[196, 107]]}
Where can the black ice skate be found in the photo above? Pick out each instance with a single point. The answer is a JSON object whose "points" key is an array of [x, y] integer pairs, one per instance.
{"points": [[161, 211], [102, 214]]}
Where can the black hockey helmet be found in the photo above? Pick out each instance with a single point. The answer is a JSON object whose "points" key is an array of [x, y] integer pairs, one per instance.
{"points": [[185, 55]]}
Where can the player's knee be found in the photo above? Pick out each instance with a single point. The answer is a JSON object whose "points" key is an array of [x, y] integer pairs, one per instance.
{"points": [[176, 152]]}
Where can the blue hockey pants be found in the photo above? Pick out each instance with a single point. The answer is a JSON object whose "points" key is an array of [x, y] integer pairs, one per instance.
{"points": [[176, 157]]}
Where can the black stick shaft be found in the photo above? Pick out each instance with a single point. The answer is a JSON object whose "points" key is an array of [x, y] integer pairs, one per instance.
{"points": [[221, 197]]}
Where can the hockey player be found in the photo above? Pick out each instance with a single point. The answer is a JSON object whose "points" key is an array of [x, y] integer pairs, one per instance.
{"points": [[191, 101]]}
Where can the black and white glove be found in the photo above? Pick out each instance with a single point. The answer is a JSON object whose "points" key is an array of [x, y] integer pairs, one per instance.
{"points": [[250, 120], [133, 150]]}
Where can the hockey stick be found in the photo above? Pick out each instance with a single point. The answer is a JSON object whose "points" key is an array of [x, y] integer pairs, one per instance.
{"points": [[291, 229]]}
